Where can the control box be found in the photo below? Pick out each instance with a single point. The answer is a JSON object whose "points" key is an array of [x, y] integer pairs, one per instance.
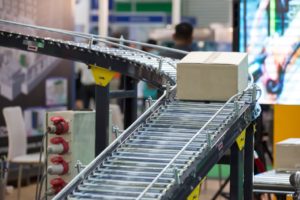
{"points": [[70, 138]]}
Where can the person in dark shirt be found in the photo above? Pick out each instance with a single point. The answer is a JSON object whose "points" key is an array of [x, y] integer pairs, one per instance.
{"points": [[150, 49], [183, 39]]}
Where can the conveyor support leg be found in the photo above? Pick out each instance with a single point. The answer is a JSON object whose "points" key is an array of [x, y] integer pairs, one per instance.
{"points": [[102, 113], [241, 168], [249, 163], [236, 172]]}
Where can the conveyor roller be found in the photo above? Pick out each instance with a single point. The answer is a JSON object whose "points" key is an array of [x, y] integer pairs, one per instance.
{"points": [[273, 182]]}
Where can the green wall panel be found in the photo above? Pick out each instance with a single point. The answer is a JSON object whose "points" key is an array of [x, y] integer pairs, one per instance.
{"points": [[144, 7]]}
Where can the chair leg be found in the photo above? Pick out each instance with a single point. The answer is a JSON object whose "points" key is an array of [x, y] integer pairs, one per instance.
{"points": [[19, 180], [6, 174]]}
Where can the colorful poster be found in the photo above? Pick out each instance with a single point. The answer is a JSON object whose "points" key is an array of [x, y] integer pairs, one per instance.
{"points": [[56, 91], [270, 33]]}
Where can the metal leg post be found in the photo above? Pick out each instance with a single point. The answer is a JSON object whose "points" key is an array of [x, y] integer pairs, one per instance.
{"points": [[130, 112], [236, 173], [20, 180], [249, 163], [102, 113]]}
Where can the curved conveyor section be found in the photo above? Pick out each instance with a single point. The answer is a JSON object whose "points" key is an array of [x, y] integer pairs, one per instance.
{"points": [[132, 62]]}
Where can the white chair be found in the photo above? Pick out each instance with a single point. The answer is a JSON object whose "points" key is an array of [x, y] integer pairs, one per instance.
{"points": [[17, 142]]}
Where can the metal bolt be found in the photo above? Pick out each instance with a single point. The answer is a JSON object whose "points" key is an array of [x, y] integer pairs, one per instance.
{"points": [[168, 90], [116, 131], [208, 138], [176, 175], [121, 42], [148, 102], [79, 166], [160, 64], [254, 94], [91, 42], [236, 108]]}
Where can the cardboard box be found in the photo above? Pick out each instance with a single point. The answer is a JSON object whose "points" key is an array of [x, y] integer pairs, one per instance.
{"points": [[211, 76], [287, 155]]}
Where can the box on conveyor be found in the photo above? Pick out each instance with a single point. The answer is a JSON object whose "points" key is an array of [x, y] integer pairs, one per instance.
{"points": [[287, 156], [211, 76]]}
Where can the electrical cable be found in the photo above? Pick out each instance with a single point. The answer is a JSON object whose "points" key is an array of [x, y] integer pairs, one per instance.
{"points": [[41, 187], [44, 197], [40, 167]]}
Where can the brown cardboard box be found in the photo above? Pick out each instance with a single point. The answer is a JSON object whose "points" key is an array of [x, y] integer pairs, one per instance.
{"points": [[211, 76], [287, 156]]}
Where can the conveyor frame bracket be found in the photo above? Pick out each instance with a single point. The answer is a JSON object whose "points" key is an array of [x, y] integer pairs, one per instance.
{"points": [[240, 140], [195, 194], [101, 75]]}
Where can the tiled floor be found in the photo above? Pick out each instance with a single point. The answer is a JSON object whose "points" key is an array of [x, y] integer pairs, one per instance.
{"points": [[28, 192]]}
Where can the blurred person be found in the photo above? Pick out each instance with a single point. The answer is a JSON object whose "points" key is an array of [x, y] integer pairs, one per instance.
{"points": [[86, 91], [183, 39], [151, 49], [148, 89]]}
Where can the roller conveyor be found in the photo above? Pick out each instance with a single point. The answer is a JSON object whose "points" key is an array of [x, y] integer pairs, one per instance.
{"points": [[169, 148], [163, 149], [273, 182]]}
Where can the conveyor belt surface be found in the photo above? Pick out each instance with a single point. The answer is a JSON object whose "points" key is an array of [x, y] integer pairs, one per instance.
{"points": [[272, 182]]}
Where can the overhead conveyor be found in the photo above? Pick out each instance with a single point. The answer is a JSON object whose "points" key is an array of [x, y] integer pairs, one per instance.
{"points": [[117, 57], [170, 148]]}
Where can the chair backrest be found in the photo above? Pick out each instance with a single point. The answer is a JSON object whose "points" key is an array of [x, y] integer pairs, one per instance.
{"points": [[17, 138]]}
